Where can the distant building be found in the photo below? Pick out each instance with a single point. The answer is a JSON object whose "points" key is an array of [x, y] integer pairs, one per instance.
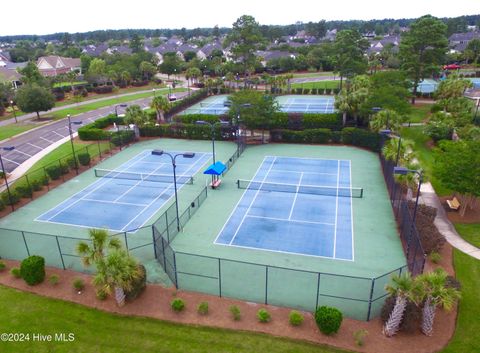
{"points": [[458, 41], [54, 65]]}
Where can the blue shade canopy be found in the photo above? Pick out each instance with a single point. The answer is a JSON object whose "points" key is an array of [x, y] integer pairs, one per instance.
{"points": [[215, 169]]}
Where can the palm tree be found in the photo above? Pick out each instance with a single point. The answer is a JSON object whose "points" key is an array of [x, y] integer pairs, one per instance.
{"points": [[95, 252], [401, 288], [386, 119], [117, 273], [288, 77], [230, 77], [390, 150], [161, 105], [125, 77], [435, 292], [343, 102]]}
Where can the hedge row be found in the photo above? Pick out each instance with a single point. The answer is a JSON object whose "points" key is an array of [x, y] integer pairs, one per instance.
{"points": [[187, 131], [186, 102], [348, 136], [94, 130]]}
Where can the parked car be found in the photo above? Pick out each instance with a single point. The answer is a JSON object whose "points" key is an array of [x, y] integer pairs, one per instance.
{"points": [[451, 67], [172, 97]]}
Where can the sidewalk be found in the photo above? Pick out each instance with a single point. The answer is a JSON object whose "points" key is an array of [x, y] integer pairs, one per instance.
{"points": [[445, 227]]}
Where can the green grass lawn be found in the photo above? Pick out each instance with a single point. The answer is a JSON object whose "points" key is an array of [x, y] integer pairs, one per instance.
{"points": [[465, 339], [96, 331], [14, 129], [470, 232], [419, 113], [425, 156], [318, 85], [312, 74], [69, 84]]}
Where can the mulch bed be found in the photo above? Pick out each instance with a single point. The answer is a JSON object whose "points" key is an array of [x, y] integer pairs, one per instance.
{"points": [[155, 303], [471, 216]]}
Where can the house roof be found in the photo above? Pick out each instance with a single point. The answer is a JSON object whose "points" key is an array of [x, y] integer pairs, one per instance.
{"points": [[9, 74], [208, 48], [56, 62], [460, 37]]}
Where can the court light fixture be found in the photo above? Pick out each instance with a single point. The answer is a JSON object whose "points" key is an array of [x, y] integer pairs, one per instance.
{"points": [[404, 171]]}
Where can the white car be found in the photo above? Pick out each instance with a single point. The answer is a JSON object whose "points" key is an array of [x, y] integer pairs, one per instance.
{"points": [[172, 97]]}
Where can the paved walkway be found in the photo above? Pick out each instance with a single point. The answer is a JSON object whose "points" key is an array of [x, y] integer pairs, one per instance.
{"points": [[445, 227]]}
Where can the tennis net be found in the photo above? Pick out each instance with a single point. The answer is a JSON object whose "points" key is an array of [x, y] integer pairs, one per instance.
{"points": [[301, 189], [159, 178]]}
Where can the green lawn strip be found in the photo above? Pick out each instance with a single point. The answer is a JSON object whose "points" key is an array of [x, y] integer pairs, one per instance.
{"points": [[104, 103], [312, 74], [69, 84], [419, 113], [470, 232], [14, 129], [425, 156], [97, 331], [465, 339], [317, 84]]}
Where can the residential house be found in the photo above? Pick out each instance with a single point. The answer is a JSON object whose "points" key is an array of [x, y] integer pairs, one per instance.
{"points": [[266, 56], [206, 51], [458, 41], [54, 65], [376, 46]]}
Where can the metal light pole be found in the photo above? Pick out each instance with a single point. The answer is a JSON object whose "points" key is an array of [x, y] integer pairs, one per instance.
{"points": [[174, 166], [212, 127], [10, 148], [119, 105], [404, 171], [245, 105], [70, 122], [154, 91], [14, 112]]}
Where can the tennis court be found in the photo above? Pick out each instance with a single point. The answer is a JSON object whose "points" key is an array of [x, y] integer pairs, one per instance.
{"points": [[126, 197], [295, 205], [427, 86], [289, 104], [475, 81]]}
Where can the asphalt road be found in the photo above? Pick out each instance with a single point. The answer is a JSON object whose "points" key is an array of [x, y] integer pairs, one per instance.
{"points": [[32, 142]]}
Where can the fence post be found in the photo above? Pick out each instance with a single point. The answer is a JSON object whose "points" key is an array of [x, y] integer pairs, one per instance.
{"points": [[61, 170], [29, 186], [164, 255], [126, 241], [99, 149], [175, 269], [266, 284], [60, 252], [219, 279], [25, 241], [46, 177], [154, 242], [318, 290], [370, 300]]}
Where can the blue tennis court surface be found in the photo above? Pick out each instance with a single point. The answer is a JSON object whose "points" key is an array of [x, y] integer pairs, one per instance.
{"points": [[126, 198], [288, 104], [295, 205]]}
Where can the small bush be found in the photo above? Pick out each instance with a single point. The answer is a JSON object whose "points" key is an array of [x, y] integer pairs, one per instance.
{"points": [[452, 282], [359, 337], [54, 172], [295, 318], [138, 284], [235, 311], [2, 266], [435, 257], [32, 269], [101, 294], [78, 284], [84, 158], [71, 163], [328, 319], [64, 168], [202, 308], [53, 280], [12, 199], [24, 191], [15, 272], [177, 305], [36, 185], [263, 316]]}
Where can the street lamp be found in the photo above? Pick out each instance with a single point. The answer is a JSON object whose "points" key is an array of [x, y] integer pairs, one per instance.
{"points": [[14, 112], [390, 134], [6, 148], [245, 105], [405, 171], [119, 105], [174, 166], [70, 122], [212, 127], [154, 91]]}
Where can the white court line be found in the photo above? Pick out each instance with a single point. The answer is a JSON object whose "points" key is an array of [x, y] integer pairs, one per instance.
{"points": [[31, 144], [309, 158], [336, 214], [43, 138], [26, 154], [294, 171], [9, 160], [116, 202], [238, 203], [253, 201], [290, 220], [100, 184], [165, 202], [296, 195], [351, 211]]}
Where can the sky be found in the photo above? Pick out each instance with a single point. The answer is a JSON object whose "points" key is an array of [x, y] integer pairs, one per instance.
{"points": [[40, 17]]}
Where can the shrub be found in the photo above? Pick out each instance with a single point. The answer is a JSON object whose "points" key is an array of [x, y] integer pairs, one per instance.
{"points": [[432, 240], [32, 269], [101, 294], [15, 272], [123, 137], [435, 257], [94, 130], [411, 316], [103, 89], [202, 308], [2, 265], [70, 162], [235, 311], [53, 280], [54, 172], [78, 284], [452, 282], [12, 199], [328, 319], [359, 337], [295, 318], [325, 121], [177, 305], [64, 169], [44, 180], [138, 284], [361, 138], [84, 158], [2, 175], [263, 316], [36, 185], [24, 191]]}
